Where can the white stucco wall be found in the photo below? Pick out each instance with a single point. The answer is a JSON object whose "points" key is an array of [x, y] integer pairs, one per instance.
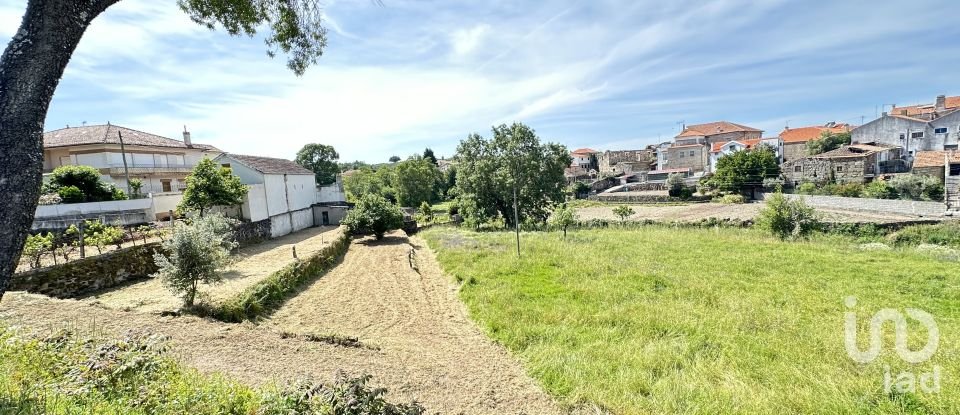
{"points": [[254, 206]]}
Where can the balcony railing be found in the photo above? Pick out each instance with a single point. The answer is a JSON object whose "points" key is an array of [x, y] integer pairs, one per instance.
{"points": [[894, 166]]}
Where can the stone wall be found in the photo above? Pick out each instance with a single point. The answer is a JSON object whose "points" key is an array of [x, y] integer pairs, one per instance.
{"points": [[90, 274], [890, 206], [250, 233]]}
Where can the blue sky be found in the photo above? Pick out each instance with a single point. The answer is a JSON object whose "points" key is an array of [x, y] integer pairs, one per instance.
{"points": [[417, 73]]}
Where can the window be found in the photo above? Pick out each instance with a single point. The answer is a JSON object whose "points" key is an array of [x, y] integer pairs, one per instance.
{"points": [[839, 169], [917, 134], [942, 130], [903, 136], [165, 185], [681, 154], [798, 169], [691, 153]]}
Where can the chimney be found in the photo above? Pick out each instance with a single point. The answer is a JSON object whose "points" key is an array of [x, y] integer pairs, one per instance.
{"points": [[941, 103], [186, 137]]}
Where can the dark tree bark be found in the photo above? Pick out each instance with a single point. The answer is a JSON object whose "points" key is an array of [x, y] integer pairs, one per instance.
{"points": [[30, 70]]}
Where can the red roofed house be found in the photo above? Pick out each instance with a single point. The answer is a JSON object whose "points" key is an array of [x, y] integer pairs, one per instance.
{"points": [[691, 148], [917, 128], [718, 150], [582, 157], [161, 163], [793, 141]]}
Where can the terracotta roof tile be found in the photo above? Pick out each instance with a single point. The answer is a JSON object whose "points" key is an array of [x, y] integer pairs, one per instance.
{"points": [[750, 143], [269, 165], [950, 103], [849, 152], [714, 128], [107, 134], [804, 134], [934, 158], [584, 151]]}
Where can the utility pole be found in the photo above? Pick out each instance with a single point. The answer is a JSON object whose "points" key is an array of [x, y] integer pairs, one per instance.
{"points": [[123, 153], [516, 215]]}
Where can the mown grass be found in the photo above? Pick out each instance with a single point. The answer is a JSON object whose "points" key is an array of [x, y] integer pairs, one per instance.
{"points": [[707, 321]]}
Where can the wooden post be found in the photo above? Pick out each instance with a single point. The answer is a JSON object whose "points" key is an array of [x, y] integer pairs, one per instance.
{"points": [[295, 252], [82, 253]]}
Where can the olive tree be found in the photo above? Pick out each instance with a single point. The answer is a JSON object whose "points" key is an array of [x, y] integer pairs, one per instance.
{"points": [[37, 55], [196, 253]]}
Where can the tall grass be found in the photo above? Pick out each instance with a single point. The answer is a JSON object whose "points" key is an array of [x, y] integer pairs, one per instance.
{"points": [[705, 321]]}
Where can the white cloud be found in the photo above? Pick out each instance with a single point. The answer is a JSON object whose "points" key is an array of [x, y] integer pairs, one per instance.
{"points": [[465, 41]]}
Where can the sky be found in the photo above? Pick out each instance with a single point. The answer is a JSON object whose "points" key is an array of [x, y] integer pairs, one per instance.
{"points": [[408, 74]]}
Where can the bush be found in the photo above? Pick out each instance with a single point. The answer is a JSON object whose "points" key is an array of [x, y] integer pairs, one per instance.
{"points": [[70, 194], [786, 218], [563, 216], [946, 234], [879, 189], [373, 213], [195, 254], [807, 188], [733, 199], [847, 190], [426, 212], [36, 246], [917, 187]]}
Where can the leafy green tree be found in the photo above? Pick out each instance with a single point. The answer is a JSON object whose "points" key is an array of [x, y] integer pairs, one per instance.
{"points": [[828, 141], [36, 246], [368, 181], [321, 159], [96, 234], [428, 155], [416, 181], [353, 165], [425, 211], [394, 159], [623, 212], [374, 214], [786, 218], [35, 59], [76, 184], [488, 170], [448, 183], [195, 253], [210, 185], [563, 217], [745, 170], [578, 190], [136, 185]]}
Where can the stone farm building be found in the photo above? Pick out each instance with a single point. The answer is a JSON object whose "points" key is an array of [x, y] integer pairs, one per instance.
{"points": [[856, 163], [793, 141], [626, 161]]}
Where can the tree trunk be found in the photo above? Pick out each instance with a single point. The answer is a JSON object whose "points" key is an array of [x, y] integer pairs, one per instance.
{"points": [[30, 70]]}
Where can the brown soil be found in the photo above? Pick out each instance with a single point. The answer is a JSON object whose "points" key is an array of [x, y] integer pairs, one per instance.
{"points": [[697, 211], [253, 264], [416, 339]]}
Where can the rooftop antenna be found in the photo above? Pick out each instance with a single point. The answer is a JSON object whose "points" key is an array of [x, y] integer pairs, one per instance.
{"points": [[682, 124], [83, 123]]}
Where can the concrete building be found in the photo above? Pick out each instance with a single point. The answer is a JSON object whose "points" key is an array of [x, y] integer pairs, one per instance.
{"points": [[583, 158], [691, 148], [279, 190], [161, 163], [938, 133], [719, 150], [793, 141]]}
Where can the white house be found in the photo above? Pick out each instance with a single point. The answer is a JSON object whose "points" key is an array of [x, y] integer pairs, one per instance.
{"points": [[280, 190]]}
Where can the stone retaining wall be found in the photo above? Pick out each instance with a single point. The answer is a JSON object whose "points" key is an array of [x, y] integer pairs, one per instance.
{"points": [[90, 274], [890, 206]]}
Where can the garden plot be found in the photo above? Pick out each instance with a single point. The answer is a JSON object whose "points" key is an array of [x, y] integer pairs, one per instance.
{"points": [[254, 263], [414, 335], [698, 211]]}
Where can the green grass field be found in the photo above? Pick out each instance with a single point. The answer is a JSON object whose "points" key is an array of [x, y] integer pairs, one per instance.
{"points": [[706, 321]]}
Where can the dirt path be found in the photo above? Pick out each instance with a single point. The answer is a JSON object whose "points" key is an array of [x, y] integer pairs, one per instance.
{"points": [[254, 263], [697, 211], [417, 340]]}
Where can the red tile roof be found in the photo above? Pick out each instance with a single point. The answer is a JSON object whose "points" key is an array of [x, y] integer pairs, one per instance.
{"points": [[912, 110], [584, 151], [714, 128], [751, 143], [107, 134], [934, 158], [804, 134]]}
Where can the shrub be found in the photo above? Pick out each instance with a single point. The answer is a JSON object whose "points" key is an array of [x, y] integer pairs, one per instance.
{"points": [[807, 188], [373, 213], [36, 246], [733, 199], [623, 212], [136, 185], [425, 211], [70, 194], [194, 254], [917, 187], [847, 190], [786, 218], [84, 179], [674, 184], [946, 234], [879, 189]]}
